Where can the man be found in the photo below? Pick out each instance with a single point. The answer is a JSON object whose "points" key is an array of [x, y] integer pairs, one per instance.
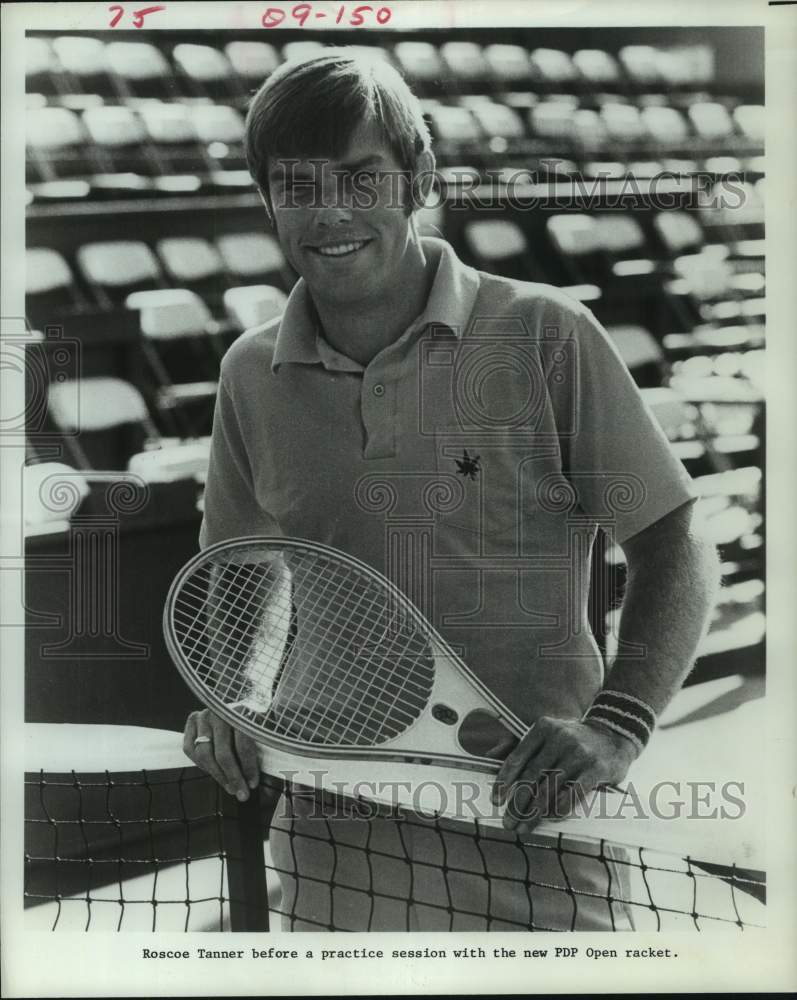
{"points": [[395, 368]]}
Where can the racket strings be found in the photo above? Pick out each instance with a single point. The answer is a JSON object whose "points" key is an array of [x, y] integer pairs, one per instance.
{"points": [[381, 693], [305, 646]]}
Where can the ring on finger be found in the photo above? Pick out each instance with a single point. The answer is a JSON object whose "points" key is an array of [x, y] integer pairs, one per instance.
{"points": [[202, 739]]}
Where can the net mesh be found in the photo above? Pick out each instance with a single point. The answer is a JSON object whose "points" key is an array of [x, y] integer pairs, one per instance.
{"points": [[168, 850], [137, 850]]}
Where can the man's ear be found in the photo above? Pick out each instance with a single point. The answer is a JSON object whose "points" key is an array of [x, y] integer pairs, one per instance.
{"points": [[422, 181]]}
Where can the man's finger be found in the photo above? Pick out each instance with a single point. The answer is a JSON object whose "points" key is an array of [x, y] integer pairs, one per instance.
{"points": [[516, 761], [246, 749]]}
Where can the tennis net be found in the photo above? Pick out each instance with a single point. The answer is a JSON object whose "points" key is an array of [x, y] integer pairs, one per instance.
{"points": [[163, 848]]}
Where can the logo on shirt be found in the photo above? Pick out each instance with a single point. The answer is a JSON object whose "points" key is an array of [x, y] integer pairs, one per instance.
{"points": [[468, 465]]}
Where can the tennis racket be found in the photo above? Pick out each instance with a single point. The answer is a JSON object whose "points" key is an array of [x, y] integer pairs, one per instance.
{"points": [[321, 659]]}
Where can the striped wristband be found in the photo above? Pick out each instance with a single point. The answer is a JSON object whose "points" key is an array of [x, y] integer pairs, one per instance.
{"points": [[623, 714]]}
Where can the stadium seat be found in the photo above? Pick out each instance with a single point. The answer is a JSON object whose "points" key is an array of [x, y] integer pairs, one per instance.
{"points": [[57, 143], [51, 493], [553, 120], [252, 255], [553, 66], [104, 420], [596, 66], [420, 61], [121, 138], [253, 61], [83, 57], [641, 63], [678, 230], [665, 125], [455, 126], [49, 286], [499, 121], [300, 50], [39, 59], [623, 122], [117, 267], [499, 245], [574, 235], [711, 121], [217, 123], [509, 63], [206, 70], [589, 129], [192, 262], [139, 69], [253, 305], [168, 123], [183, 354], [465, 60], [750, 119], [641, 353]]}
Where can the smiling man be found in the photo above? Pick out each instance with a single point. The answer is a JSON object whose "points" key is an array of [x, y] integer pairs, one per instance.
{"points": [[503, 429]]}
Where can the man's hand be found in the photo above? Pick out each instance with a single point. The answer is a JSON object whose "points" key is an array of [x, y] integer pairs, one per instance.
{"points": [[228, 756], [555, 758]]}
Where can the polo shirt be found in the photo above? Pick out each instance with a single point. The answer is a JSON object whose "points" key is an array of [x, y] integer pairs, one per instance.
{"points": [[471, 461]]}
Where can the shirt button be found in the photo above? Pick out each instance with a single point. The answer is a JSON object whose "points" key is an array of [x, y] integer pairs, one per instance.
{"points": [[379, 389]]}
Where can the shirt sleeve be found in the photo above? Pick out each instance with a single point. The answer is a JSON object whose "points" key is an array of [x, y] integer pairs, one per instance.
{"points": [[616, 455], [231, 507]]}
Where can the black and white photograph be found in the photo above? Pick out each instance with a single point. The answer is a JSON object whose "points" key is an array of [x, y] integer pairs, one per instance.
{"points": [[396, 447]]}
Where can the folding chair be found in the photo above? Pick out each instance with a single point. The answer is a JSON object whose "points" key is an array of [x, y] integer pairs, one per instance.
{"points": [[553, 120], [50, 290], [170, 128], [552, 66], [750, 119], [420, 61], [252, 61], [104, 421], [710, 120], [221, 129], [641, 64], [120, 137], [678, 230], [193, 263], [623, 122], [509, 63], [596, 66], [116, 268], [85, 60], [253, 256], [589, 129], [498, 121], [500, 246], [455, 128], [253, 305], [301, 50], [57, 144], [183, 355], [41, 66], [577, 241], [51, 493], [680, 422], [465, 61], [641, 353], [666, 126], [206, 70], [139, 69]]}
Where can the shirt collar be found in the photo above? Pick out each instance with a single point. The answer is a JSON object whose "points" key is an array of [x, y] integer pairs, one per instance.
{"points": [[449, 305]]}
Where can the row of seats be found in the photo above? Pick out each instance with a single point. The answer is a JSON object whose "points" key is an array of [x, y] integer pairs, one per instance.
{"points": [[107, 272], [470, 122], [247, 63]]}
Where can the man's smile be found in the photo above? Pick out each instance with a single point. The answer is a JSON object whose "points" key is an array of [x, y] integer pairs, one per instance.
{"points": [[346, 249]]}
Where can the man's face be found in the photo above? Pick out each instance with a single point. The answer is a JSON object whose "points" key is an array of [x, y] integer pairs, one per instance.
{"points": [[341, 223]]}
